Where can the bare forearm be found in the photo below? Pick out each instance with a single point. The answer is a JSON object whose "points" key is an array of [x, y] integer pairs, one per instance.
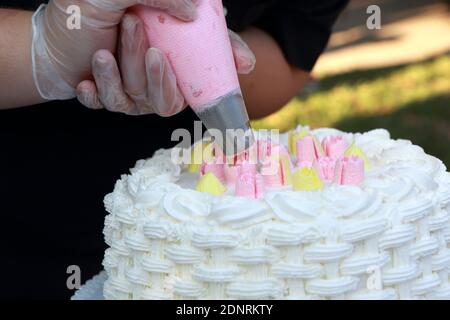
{"points": [[273, 82], [16, 78]]}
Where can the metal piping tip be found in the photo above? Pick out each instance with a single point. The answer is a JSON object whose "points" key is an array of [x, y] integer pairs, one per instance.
{"points": [[227, 121]]}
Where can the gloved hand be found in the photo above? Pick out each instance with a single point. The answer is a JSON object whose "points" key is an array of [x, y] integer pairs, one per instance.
{"points": [[63, 58], [146, 82]]}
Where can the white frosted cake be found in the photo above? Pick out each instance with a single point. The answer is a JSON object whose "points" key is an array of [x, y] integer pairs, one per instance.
{"points": [[348, 216]]}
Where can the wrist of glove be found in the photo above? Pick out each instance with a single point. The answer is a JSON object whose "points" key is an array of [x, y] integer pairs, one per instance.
{"points": [[49, 83]]}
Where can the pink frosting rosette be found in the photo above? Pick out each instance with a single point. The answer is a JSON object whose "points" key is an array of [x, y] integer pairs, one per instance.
{"points": [[349, 170], [308, 149], [334, 146], [214, 166]]}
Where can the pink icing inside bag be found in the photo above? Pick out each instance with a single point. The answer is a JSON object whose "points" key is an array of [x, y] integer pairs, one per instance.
{"points": [[199, 51]]}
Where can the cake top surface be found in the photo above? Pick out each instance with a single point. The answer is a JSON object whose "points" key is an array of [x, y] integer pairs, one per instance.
{"points": [[362, 176]]}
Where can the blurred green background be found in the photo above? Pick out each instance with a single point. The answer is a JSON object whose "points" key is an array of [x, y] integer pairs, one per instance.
{"points": [[396, 78]]}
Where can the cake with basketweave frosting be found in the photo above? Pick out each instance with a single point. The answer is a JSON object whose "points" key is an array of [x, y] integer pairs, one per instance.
{"points": [[320, 214]]}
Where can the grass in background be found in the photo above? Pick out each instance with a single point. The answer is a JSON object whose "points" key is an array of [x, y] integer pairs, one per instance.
{"points": [[411, 101]]}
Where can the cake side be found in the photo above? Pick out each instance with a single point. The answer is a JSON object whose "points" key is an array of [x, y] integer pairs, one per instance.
{"points": [[168, 241]]}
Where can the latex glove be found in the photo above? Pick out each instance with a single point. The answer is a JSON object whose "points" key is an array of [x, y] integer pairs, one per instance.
{"points": [[62, 57], [146, 82]]}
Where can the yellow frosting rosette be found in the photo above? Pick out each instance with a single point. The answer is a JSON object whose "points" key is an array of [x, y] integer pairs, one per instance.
{"points": [[306, 179], [211, 184], [354, 151]]}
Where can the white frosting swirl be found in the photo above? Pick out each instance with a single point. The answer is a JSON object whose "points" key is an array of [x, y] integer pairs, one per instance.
{"points": [[332, 287], [387, 294], [215, 239], [372, 143], [292, 206], [301, 271], [239, 212], [137, 241], [443, 193], [439, 220], [160, 229], [290, 235], [441, 260], [149, 294], [346, 201], [392, 188], [186, 288], [255, 256], [424, 247], [364, 229], [397, 236], [137, 276], [400, 274], [184, 254], [328, 252], [421, 179], [415, 209], [155, 265], [187, 205], [208, 274], [259, 289], [425, 284], [360, 264], [111, 259], [160, 166]]}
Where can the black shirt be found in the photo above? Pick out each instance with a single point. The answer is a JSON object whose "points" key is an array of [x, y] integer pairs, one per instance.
{"points": [[60, 159]]}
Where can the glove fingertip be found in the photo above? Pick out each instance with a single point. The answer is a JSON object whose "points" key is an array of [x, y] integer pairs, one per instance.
{"points": [[87, 95], [244, 57], [245, 65]]}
